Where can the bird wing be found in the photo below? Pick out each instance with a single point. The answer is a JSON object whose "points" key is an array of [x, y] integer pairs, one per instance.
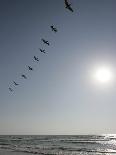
{"points": [[66, 2], [70, 8]]}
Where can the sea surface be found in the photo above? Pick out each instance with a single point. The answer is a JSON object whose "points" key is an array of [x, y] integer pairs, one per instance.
{"points": [[61, 145]]}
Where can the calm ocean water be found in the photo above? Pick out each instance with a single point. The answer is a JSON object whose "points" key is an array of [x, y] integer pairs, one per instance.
{"points": [[61, 145]]}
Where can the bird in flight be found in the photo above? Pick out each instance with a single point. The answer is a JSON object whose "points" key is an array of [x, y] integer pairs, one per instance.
{"points": [[24, 76], [36, 58], [16, 84], [45, 42], [30, 68], [68, 6], [43, 51], [54, 29], [10, 89]]}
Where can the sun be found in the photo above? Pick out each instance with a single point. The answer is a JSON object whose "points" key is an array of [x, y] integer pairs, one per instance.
{"points": [[103, 75]]}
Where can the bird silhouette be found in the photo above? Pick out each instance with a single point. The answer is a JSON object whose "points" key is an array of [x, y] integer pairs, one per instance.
{"points": [[45, 42], [10, 89], [36, 58], [42, 51], [16, 84], [68, 6], [54, 29], [30, 68], [24, 76]]}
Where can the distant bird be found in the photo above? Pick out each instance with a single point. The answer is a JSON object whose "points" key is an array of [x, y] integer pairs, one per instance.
{"points": [[36, 58], [43, 51], [30, 68], [24, 76], [10, 89], [68, 6], [45, 42], [54, 29], [16, 84]]}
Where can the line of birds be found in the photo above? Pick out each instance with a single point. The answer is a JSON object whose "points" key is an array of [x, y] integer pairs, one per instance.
{"points": [[35, 57], [54, 29]]}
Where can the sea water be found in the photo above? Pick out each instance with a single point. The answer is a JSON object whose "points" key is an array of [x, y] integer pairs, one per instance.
{"points": [[61, 144]]}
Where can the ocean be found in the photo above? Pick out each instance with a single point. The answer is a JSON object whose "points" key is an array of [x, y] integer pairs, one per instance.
{"points": [[60, 144]]}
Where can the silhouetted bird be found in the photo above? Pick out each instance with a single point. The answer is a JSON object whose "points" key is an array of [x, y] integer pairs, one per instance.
{"points": [[30, 68], [45, 42], [68, 6], [10, 89], [16, 84], [53, 28], [36, 58], [43, 51], [24, 76]]}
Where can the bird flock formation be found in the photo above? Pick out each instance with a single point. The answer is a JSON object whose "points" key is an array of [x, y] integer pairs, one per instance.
{"points": [[54, 29]]}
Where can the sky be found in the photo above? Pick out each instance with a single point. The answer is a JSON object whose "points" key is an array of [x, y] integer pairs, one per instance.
{"points": [[60, 96]]}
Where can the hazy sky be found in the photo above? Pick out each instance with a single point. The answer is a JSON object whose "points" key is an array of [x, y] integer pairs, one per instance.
{"points": [[60, 96]]}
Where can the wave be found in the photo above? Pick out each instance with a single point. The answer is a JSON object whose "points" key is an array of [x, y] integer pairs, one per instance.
{"points": [[56, 145]]}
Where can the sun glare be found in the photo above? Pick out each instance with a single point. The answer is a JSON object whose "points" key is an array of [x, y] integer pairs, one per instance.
{"points": [[103, 75]]}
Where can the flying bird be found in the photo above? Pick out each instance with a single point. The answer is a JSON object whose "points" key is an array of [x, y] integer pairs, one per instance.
{"points": [[16, 84], [43, 51], [24, 76], [36, 58], [54, 29], [10, 89], [30, 68], [45, 42], [68, 6]]}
